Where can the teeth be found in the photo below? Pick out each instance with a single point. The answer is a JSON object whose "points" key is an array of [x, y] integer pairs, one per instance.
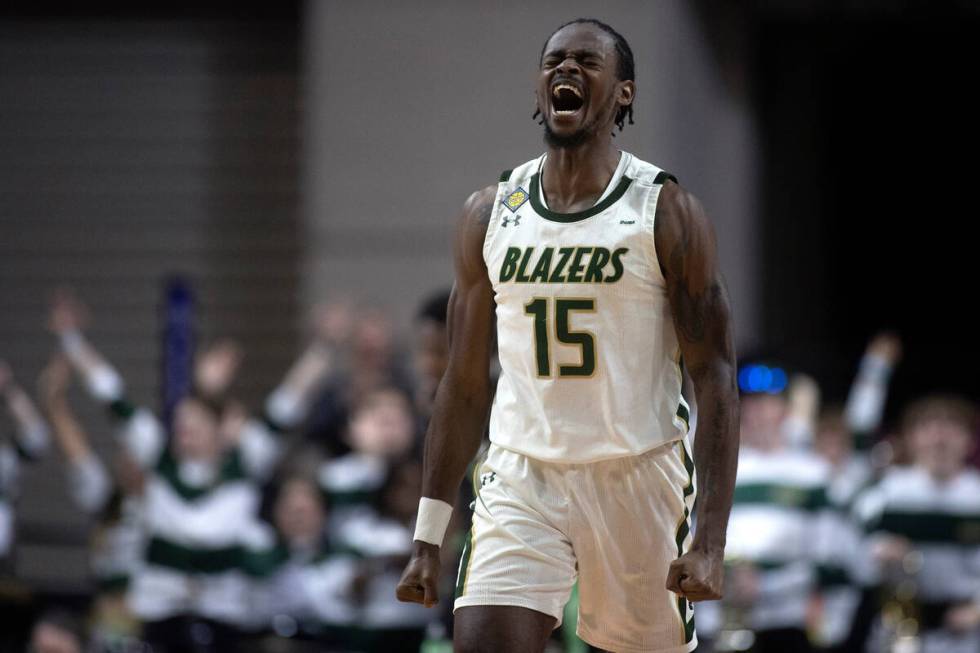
{"points": [[574, 90]]}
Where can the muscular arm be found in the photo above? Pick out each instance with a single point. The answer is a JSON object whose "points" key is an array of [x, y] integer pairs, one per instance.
{"points": [[459, 413], [685, 242]]}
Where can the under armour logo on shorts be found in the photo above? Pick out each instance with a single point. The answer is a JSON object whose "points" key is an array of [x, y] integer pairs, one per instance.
{"points": [[516, 220], [488, 478]]}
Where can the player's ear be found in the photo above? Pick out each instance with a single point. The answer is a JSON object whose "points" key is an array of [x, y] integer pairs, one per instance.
{"points": [[536, 116], [626, 92]]}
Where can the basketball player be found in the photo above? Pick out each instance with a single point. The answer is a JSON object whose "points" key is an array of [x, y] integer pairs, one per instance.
{"points": [[603, 275]]}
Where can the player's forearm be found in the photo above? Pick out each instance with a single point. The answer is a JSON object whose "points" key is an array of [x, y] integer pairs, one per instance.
{"points": [[454, 436], [715, 451]]}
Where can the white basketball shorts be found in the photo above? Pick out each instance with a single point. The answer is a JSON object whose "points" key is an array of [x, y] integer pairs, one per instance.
{"points": [[614, 525]]}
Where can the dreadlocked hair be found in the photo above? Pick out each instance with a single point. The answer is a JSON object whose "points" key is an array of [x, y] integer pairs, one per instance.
{"points": [[625, 68]]}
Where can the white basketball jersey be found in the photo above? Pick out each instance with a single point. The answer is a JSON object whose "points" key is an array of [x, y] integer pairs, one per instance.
{"points": [[590, 363]]}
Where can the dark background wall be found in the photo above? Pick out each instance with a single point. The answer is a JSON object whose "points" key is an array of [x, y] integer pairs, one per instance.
{"points": [[135, 147], [869, 121]]}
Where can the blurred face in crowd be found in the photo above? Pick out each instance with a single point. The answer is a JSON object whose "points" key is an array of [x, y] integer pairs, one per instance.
{"points": [[762, 418], [431, 359], [383, 424], [299, 512], [196, 431], [49, 638], [372, 340], [940, 446]]}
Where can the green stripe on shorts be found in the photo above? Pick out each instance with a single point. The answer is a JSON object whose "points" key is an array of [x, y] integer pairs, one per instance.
{"points": [[683, 528]]}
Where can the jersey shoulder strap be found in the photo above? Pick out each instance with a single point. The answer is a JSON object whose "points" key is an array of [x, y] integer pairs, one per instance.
{"points": [[647, 174]]}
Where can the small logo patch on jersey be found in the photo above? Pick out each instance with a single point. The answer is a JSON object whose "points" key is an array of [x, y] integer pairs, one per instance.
{"points": [[516, 199], [516, 221]]}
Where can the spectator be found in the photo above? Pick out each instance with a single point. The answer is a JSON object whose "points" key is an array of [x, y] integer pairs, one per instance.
{"points": [[201, 498], [118, 542], [306, 593], [381, 429], [30, 442], [430, 353], [923, 524], [843, 440], [777, 537], [58, 631], [363, 346]]}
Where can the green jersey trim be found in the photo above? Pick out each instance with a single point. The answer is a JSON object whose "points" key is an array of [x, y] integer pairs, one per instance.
{"points": [[611, 199]]}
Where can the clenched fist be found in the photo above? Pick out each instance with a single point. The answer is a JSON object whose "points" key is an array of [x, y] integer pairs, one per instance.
{"points": [[420, 580], [697, 576]]}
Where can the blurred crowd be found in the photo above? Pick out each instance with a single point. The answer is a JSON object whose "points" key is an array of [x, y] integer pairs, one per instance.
{"points": [[285, 527], [849, 534], [279, 528]]}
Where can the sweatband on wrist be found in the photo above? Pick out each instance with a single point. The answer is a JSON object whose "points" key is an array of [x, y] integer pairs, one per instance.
{"points": [[433, 519]]}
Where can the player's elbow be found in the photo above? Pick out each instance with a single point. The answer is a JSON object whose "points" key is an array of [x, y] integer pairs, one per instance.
{"points": [[716, 376], [462, 384]]}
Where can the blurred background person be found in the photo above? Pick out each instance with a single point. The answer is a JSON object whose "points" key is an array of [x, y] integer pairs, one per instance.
{"points": [[779, 528], [923, 525], [29, 441], [381, 430], [844, 438], [58, 631], [114, 500], [430, 353], [201, 499]]}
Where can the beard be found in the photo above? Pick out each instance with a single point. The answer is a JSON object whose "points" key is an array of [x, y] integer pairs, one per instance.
{"points": [[573, 140], [570, 141]]}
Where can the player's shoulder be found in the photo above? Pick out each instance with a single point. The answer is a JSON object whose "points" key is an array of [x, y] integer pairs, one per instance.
{"points": [[520, 175], [646, 174]]}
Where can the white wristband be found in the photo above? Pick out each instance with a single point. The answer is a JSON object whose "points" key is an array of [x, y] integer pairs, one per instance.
{"points": [[434, 515]]}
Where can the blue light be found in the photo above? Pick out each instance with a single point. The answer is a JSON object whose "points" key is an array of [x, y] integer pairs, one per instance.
{"points": [[760, 378], [779, 381], [743, 378]]}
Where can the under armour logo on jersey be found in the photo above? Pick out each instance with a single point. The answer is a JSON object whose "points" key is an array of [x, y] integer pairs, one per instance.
{"points": [[488, 478], [516, 220], [515, 200]]}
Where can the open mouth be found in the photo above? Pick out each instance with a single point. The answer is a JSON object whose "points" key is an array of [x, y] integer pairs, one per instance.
{"points": [[566, 99]]}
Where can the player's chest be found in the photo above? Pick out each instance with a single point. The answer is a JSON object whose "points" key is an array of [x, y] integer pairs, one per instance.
{"points": [[609, 248]]}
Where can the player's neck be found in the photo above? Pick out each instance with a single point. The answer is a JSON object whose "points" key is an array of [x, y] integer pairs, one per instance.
{"points": [[574, 178]]}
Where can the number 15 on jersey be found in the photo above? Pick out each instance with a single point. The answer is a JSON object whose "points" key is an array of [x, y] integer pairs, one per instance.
{"points": [[538, 308]]}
